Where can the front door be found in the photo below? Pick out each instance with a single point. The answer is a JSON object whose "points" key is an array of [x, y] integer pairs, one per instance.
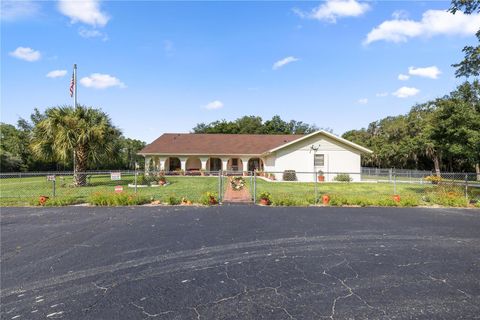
{"points": [[215, 164]]}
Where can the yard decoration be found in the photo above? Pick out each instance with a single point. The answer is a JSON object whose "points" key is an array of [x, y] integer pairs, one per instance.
{"points": [[325, 199], [396, 197], [237, 183], [162, 180], [265, 198], [42, 200]]}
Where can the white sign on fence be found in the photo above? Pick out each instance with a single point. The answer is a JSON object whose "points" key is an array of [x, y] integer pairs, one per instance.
{"points": [[115, 176], [51, 178]]}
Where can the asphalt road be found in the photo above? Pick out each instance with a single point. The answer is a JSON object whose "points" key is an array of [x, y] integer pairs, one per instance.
{"points": [[239, 262]]}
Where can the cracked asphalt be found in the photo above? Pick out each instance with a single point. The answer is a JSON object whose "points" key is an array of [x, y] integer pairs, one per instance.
{"points": [[239, 262]]}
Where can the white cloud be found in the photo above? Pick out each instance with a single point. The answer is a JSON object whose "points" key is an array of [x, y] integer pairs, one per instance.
{"points": [[16, 10], [382, 94], [433, 22], [405, 92], [92, 33], [363, 101], [27, 54], [217, 104], [403, 77], [85, 11], [101, 81], [56, 73], [283, 62], [331, 10], [428, 72]]}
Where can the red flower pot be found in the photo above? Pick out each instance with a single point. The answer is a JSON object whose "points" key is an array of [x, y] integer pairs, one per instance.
{"points": [[42, 200], [265, 202], [396, 198], [321, 178], [325, 199]]}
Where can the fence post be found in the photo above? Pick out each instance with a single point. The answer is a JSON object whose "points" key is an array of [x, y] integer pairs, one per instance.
{"points": [[251, 183], [54, 181], [219, 185], [466, 185], [390, 175], [254, 187], [394, 183], [316, 188], [136, 174]]}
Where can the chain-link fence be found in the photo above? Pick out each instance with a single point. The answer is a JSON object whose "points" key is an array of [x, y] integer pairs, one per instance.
{"points": [[369, 187], [380, 187]]}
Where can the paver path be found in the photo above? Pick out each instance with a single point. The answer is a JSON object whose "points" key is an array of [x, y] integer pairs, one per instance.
{"points": [[240, 196]]}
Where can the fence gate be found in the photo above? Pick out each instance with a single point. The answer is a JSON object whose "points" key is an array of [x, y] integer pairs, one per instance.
{"points": [[237, 187]]}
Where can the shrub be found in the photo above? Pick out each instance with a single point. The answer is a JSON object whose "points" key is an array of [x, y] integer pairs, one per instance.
{"points": [[433, 179], [343, 177], [286, 201], [289, 175], [117, 199], [173, 201], [58, 201], [144, 180]]}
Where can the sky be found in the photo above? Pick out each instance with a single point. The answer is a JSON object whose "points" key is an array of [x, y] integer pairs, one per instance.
{"points": [[159, 67]]}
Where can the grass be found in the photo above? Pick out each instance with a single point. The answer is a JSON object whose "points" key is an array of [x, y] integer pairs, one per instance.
{"points": [[365, 194], [26, 191]]}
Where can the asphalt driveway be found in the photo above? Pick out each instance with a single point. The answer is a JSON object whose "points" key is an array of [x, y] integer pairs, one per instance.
{"points": [[239, 262]]}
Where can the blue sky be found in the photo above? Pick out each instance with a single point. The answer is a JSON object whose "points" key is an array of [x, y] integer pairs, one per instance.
{"points": [[158, 67]]}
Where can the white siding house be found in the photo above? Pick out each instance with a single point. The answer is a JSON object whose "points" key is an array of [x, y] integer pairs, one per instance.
{"points": [[243, 153]]}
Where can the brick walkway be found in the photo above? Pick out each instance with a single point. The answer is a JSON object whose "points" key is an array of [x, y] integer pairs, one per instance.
{"points": [[240, 196]]}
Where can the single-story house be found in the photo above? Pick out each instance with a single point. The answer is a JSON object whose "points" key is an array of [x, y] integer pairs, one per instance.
{"points": [[240, 153]]}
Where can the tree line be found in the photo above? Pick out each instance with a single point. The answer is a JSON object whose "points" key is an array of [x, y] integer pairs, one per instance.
{"points": [[256, 125], [441, 134]]}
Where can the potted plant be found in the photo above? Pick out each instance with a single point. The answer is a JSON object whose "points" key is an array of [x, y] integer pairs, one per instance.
{"points": [[320, 176], [211, 198], [162, 180], [265, 198]]}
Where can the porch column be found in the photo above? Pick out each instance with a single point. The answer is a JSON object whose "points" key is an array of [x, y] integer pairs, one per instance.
{"points": [[204, 163], [161, 163], [183, 163], [224, 164], [245, 164], [148, 160]]}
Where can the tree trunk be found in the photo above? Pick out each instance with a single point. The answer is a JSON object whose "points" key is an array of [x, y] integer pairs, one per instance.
{"points": [[81, 159], [436, 163], [477, 170]]}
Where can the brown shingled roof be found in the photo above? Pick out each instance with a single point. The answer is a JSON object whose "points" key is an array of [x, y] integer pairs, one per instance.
{"points": [[216, 144]]}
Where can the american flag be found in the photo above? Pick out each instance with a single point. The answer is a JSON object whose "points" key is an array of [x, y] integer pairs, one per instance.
{"points": [[72, 85]]}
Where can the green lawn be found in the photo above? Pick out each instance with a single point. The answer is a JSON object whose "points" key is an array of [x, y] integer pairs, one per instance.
{"points": [[295, 193], [25, 191]]}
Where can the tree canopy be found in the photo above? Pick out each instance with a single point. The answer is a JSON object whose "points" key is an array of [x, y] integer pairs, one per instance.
{"points": [[470, 65], [443, 133], [256, 125]]}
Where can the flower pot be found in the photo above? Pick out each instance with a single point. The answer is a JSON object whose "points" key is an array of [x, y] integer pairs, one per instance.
{"points": [[396, 197], [42, 200], [321, 178], [325, 199], [264, 202]]}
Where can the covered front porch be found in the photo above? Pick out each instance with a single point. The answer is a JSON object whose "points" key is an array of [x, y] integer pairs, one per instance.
{"points": [[203, 165]]}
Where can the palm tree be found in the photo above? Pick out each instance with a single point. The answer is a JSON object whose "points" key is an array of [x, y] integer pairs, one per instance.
{"points": [[86, 132]]}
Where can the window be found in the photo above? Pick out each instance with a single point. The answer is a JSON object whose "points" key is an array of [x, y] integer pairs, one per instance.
{"points": [[319, 160], [234, 162]]}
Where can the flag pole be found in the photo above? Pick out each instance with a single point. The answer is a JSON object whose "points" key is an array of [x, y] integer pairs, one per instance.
{"points": [[75, 84]]}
